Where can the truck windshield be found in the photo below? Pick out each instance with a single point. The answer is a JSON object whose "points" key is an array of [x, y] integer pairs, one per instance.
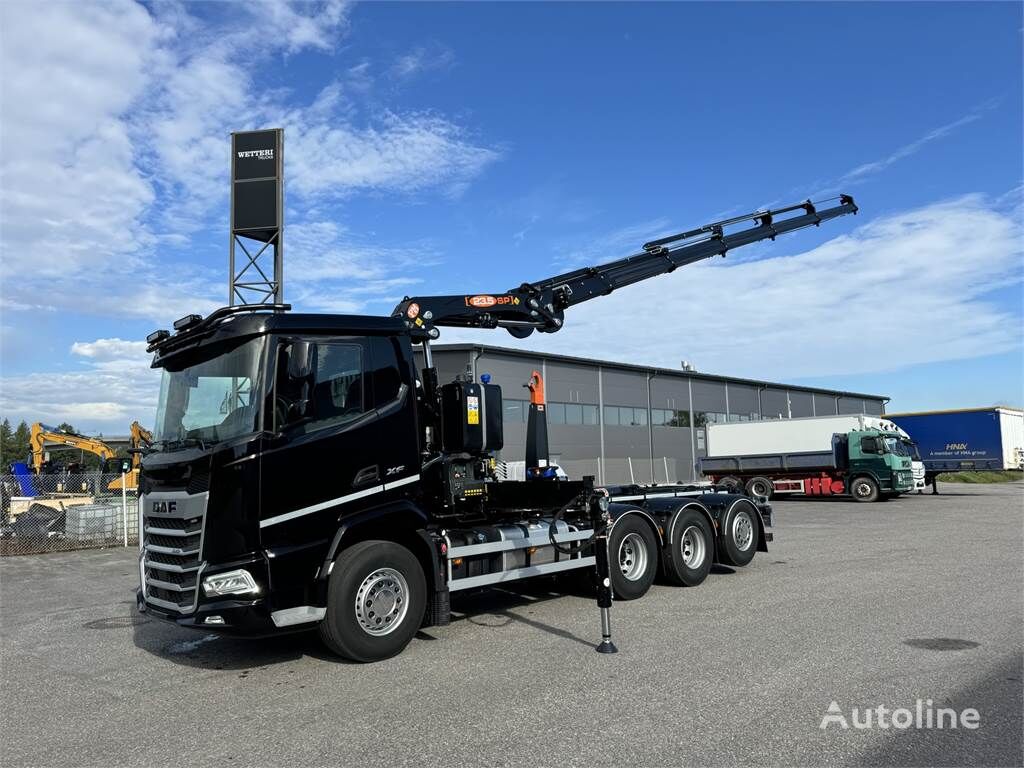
{"points": [[911, 449], [211, 400], [895, 445]]}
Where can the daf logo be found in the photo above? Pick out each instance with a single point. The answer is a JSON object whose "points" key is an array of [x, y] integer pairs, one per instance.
{"points": [[165, 507]]}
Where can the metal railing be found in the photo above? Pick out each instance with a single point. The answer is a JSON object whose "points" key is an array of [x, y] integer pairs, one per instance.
{"points": [[58, 513]]}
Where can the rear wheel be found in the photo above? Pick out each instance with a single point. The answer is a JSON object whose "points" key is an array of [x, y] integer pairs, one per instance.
{"points": [[688, 555], [633, 556], [739, 534], [760, 486], [864, 489], [375, 601]]}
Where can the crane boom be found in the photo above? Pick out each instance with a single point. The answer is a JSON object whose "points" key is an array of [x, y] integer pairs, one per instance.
{"points": [[540, 305]]}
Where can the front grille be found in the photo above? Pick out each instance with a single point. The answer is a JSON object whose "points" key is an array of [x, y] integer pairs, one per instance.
{"points": [[199, 482], [172, 544]]}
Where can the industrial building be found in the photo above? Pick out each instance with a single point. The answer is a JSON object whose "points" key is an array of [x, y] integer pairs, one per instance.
{"points": [[624, 423]]}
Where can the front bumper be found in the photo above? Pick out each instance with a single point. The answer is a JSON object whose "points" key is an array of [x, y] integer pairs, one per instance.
{"points": [[250, 618], [251, 615]]}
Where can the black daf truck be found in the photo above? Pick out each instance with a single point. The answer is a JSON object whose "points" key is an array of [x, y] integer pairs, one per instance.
{"points": [[307, 472]]}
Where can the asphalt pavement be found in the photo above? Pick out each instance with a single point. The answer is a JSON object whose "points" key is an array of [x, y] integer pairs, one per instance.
{"points": [[858, 604]]}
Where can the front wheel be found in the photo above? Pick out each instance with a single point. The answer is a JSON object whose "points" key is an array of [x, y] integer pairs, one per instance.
{"points": [[375, 601], [864, 489], [633, 557]]}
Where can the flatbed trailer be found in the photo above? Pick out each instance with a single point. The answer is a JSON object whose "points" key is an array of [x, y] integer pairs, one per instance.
{"points": [[340, 486]]}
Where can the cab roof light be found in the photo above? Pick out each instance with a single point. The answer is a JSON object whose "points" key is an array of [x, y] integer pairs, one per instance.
{"points": [[186, 322], [157, 336]]}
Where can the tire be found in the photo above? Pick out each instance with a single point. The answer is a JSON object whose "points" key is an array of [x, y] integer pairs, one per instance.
{"points": [[760, 486], [739, 534], [633, 557], [689, 554], [864, 489], [729, 484], [373, 569]]}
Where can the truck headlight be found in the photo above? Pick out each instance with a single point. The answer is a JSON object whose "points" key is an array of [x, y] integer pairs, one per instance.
{"points": [[238, 582]]}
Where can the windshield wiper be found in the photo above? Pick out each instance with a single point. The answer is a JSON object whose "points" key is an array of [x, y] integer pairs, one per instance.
{"points": [[176, 445]]}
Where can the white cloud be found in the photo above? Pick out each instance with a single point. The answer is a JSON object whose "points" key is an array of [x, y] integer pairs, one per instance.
{"points": [[864, 170], [422, 59], [109, 349], [116, 120], [900, 290], [396, 153], [111, 387]]}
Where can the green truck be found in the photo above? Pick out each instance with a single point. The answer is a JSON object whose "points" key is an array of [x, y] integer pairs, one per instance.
{"points": [[817, 456]]}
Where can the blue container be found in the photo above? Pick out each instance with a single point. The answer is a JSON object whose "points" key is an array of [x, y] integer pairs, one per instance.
{"points": [[954, 440]]}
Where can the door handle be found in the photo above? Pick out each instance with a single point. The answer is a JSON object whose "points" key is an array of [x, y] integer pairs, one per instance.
{"points": [[367, 475]]}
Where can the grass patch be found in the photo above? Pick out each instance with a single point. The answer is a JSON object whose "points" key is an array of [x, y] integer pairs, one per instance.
{"points": [[981, 477]]}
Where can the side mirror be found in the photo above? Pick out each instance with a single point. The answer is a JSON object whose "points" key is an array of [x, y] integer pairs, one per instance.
{"points": [[301, 360], [297, 411]]}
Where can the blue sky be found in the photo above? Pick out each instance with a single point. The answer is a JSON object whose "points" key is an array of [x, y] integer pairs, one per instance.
{"points": [[468, 147]]}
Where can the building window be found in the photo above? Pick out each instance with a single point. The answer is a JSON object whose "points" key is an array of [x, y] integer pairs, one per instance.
{"points": [[661, 417], [703, 418], [556, 413], [679, 419], [573, 413], [515, 411], [611, 415]]}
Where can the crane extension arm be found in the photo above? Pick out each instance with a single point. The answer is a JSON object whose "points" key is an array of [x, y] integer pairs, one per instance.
{"points": [[540, 306], [41, 435]]}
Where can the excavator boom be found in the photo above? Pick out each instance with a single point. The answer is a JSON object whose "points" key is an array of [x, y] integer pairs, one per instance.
{"points": [[42, 435], [540, 305]]}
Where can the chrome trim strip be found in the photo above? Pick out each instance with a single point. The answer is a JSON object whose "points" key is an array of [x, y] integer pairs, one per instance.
{"points": [[165, 604], [172, 568], [169, 586], [403, 481], [171, 532], [337, 501], [641, 497], [171, 550], [469, 550], [520, 573], [298, 615]]}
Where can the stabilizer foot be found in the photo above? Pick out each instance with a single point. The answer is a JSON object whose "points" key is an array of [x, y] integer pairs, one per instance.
{"points": [[606, 646]]}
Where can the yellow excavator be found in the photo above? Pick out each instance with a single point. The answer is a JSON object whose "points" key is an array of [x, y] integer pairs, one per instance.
{"points": [[42, 435]]}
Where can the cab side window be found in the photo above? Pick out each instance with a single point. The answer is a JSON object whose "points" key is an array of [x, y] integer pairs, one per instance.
{"points": [[338, 385], [386, 376], [331, 389]]}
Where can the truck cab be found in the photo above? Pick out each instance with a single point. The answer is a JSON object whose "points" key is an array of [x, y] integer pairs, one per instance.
{"points": [[252, 418], [882, 456]]}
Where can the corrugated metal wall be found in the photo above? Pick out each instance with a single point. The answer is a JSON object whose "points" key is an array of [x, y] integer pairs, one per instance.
{"points": [[625, 424]]}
